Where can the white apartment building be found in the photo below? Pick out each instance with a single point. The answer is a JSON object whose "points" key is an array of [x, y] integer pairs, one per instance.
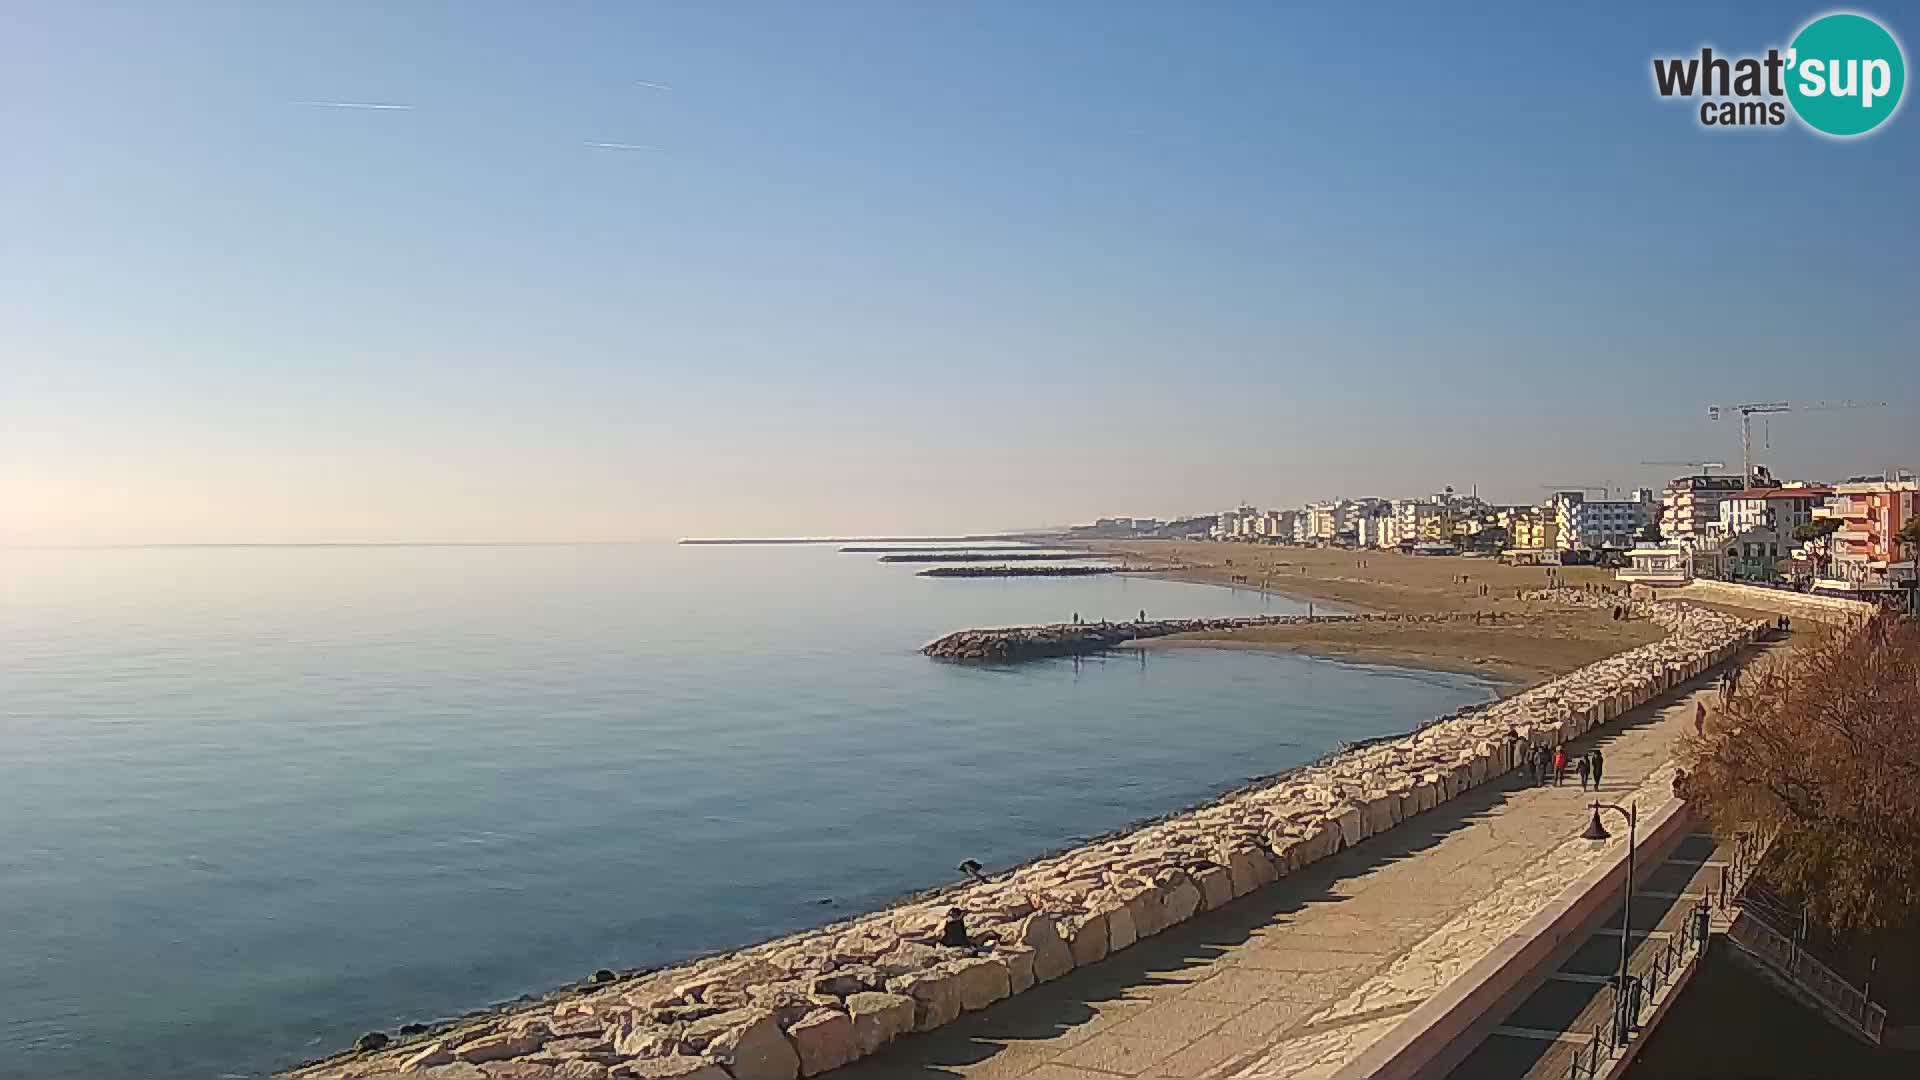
{"points": [[1327, 520], [1591, 524], [1783, 509]]}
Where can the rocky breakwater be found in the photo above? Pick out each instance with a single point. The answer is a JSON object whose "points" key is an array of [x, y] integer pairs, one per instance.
{"points": [[808, 1003], [1011, 644]]}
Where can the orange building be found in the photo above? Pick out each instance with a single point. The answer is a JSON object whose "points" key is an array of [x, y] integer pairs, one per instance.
{"points": [[1866, 554]]}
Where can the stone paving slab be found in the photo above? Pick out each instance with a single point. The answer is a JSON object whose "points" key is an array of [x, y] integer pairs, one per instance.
{"points": [[1300, 977]]}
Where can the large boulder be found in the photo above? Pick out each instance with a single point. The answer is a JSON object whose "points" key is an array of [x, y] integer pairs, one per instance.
{"points": [[1216, 887], [1019, 959], [1051, 956], [756, 1050], [878, 1019], [981, 981], [1250, 868], [824, 1040], [428, 1056], [500, 1046], [1351, 826], [1089, 938], [935, 993]]}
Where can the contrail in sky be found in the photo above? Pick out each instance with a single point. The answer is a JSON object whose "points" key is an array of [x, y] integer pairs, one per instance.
{"points": [[653, 85], [356, 105], [620, 146]]}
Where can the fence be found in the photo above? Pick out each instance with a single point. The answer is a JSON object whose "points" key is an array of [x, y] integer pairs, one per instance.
{"points": [[1616, 1014], [1782, 951], [1757, 927]]}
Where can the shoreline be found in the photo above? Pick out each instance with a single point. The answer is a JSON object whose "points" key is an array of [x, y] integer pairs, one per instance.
{"points": [[840, 991], [1507, 678]]}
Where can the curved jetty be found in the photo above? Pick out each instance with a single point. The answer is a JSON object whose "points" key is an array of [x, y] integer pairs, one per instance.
{"points": [[1019, 571], [1011, 644], [813, 1001]]}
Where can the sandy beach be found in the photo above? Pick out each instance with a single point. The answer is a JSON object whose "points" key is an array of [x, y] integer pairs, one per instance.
{"points": [[1529, 641]]}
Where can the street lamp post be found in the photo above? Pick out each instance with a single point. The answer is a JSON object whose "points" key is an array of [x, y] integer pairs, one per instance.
{"points": [[1597, 831]]}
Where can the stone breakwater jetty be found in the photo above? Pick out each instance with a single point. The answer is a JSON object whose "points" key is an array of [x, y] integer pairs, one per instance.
{"points": [[991, 556], [1012, 644], [810, 1002], [1019, 571]]}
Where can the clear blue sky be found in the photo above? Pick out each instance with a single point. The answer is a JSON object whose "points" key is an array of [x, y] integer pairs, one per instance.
{"points": [[905, 266]]}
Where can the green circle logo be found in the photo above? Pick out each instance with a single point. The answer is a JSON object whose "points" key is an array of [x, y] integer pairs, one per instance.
{"points": [[1845, 74]]}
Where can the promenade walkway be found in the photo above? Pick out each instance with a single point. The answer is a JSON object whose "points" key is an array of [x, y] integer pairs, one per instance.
{"points": [[1295, 980]]}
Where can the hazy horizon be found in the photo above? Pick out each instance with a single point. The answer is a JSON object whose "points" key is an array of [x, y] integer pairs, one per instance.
{"points": [[445, 273]]}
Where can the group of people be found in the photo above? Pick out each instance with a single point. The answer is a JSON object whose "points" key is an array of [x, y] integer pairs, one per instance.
{"points": [[1546, 766]]}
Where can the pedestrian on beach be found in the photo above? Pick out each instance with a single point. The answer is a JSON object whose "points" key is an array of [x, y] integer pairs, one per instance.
{"points": [[1599, 766], [1700, 718], [1582, 767], [1559, 765]]}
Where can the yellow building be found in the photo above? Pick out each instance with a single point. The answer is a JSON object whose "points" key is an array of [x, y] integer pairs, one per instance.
{"points": [[1534, 531]]}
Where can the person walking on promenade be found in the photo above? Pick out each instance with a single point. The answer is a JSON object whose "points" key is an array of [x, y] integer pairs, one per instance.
{"points": [[1599, 765], [1700, 718], [1581, 767], [1559, 765]]}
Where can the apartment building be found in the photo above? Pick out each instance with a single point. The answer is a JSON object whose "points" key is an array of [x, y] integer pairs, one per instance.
{"points": [[1415, 520], [1866, 552], [1783, 508], [1690, 505], [1591, 524]]}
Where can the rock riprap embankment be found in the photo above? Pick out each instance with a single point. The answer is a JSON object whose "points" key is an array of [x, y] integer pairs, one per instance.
{"points": [[1011, 644], [804, 1004]]}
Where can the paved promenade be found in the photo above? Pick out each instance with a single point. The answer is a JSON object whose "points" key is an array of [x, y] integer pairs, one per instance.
{"points": [[1297, 979]]}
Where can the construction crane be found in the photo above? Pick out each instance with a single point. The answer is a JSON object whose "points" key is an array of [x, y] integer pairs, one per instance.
{"points": [[1747, 412]]}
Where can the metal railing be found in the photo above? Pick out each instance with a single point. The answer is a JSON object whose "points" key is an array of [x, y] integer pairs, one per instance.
{"points": [[1649, 971], [1782, 951], [1758, 927]]}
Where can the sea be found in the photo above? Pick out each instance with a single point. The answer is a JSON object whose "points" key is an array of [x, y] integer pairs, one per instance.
{"points": [[255, 801]]}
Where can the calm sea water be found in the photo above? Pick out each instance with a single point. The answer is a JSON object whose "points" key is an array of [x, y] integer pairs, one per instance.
{"points": [[255, 801]]}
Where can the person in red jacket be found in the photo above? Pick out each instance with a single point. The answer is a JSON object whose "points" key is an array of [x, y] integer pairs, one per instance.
{"points": [[1559, 765]]}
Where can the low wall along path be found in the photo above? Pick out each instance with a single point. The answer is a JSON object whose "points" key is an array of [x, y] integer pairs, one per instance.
{"points": [[810, 1002]]}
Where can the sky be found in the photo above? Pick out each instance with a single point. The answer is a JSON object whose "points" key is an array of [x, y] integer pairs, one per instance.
{"points": [[904, 267]]}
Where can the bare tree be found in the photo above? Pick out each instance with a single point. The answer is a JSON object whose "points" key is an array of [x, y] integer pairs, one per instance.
{"points": [[1824, 747]]}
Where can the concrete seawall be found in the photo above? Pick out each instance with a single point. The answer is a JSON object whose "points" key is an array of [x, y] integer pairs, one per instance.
{"points": [[1795, 605], [1433, 1039], [810, 1002]]}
